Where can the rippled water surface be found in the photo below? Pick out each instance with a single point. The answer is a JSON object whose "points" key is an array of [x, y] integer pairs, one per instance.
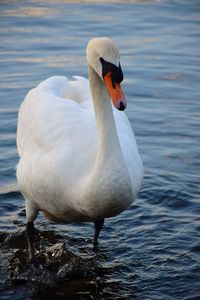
{"points": [[152, 250]]}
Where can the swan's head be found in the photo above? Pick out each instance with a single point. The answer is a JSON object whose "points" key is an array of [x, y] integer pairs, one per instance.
{"points": [[103, 57]]}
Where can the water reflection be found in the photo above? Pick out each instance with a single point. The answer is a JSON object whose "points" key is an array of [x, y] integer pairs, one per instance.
{"points": [[31, 11]]}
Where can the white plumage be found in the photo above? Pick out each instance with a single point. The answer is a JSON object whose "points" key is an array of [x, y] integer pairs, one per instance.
{"points": [[78, 155]]}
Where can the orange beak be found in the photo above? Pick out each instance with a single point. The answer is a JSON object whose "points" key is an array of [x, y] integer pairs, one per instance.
{"points": [[115, 93]]}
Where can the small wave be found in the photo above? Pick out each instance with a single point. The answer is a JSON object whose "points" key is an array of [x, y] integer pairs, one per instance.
{"points": [[174, 199]]}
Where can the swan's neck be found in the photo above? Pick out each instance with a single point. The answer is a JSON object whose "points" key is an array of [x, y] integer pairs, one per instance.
{"points": [[108, 146]]}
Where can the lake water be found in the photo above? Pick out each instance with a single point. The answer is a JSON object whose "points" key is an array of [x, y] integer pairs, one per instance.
{"points": [[152, 250]]}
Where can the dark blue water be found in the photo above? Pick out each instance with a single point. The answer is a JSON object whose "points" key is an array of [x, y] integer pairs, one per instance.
{"points": [[152, 250]]}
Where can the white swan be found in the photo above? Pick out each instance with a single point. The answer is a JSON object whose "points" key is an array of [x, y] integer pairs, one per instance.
{"points": [[78, 155]]}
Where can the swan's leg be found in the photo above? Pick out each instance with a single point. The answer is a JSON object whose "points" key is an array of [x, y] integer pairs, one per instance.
{"points": [[31, 214], [98, 226], [30, 236]]}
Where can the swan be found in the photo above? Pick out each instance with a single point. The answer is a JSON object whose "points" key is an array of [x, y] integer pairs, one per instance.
{"points": [[78, 157]]}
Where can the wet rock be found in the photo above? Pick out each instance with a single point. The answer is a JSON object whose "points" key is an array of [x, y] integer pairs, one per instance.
{"points": [[57, 266]]}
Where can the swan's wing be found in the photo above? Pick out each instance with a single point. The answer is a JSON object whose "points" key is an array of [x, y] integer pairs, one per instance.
{"points": [[47, 120]]}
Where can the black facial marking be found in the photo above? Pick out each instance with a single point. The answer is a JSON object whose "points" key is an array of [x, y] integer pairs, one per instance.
{"points": [[116, 72], [121, 106]]}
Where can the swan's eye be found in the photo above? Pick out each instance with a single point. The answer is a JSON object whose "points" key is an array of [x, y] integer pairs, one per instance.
{"points": [[116, 72], [101, 59]]}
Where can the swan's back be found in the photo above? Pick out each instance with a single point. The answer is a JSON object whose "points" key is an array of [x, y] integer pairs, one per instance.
{"points": [[52, 112]]}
